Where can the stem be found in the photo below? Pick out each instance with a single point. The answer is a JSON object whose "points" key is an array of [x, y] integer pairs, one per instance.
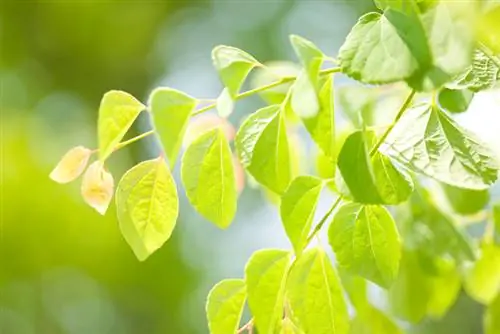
{"points": [[246, 327], [132, 140], [400, 113], [265, 87], [323, 220]]}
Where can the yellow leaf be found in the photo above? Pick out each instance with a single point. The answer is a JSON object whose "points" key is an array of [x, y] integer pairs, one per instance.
{"points": [[71, 165], [97, 187]]}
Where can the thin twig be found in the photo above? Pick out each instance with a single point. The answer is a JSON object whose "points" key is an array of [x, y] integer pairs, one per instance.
{"points": [[246, 327]]}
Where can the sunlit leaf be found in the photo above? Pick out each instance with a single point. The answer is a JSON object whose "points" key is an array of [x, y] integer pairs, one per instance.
{"points": [[483, 74], [262, 146], [322, 125], [483, 281], [492, 317], [446, 285], [171, 110], [71, 165], [225, 304], [316, 296], [117, 112], [147, 206], [373, 321], [401, 5], [297, 209], [455, 100], [385, 48], [97, 187], [204, 122], [358, 104], [225, 104], [233, 66], [466, 201], [356, 289], [208, 176], [273, 72], [489, 29], [265, 277], [366, 242], [428, 141]]}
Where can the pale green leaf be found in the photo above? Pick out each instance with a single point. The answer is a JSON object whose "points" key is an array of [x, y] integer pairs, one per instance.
{"points": [[315, 295], [322, 125], [233, 66], [428, 141], [372, 180], [225, 104], [401, 5], [483, 281], [297, 209], [455, 100], [489, 29], [225, 304], [373, 321], [171, 110], [358, 104], [272, 72], [385, 48], [366, 242], [466, 201], [117, 112], [446, 285], [492, 317], [262, 146], [147, 206], [207, 173], [483, 74], [356, 289], [309, 54], [265, 277], [304, 100]]}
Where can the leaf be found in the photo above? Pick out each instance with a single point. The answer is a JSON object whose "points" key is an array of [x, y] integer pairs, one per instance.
{"points": [[483, 281], [358, 104], [428, 141], [446, 285], [273, 71], [147, 206], [265, 276], [371, 181], [298, 206], [496, 223], [207, 173], [356, 289], [401, 5], [225, 104], [466, 201], [489, 29], [454, 100], [71, 165], [450, 40], [171, 110], [482, 74], [386, 48], [233, 66], [117, 112], [322, 125], [366, 242], [262, 147], [433, 232], [310, 56], [492, 317], [315, 295], [97, 187], [373, 321], [225, 304]]}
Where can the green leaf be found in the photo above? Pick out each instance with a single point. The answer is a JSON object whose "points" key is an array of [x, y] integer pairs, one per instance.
{"points": [[225, 304], [297, 209], [262, 147], [407, 6], [322, 125], [466, 201], [225, 104], [272, 72], [446, 284], [207, 173], [483, 74], [355, 287], [492, 317], [428, 141], [496, 223], [233, 66], [265, 276], [358, 104], [489, 29], [455, 101], [310, 56], [371, 180], [147, 206], [483, 281], [315, 295], [385, 48], [373, 321], [366, 242], [171, 110], [434, 232], [117, 112], [450, 40]]}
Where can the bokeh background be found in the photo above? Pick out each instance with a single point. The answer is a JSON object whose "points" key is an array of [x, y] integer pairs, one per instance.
{"points": [[64, 269]]}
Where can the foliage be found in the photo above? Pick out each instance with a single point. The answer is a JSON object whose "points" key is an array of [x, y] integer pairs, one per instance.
{"points": [[386, 226]]}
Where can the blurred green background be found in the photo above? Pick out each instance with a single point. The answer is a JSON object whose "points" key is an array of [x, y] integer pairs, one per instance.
{"points": [[63, 267]]}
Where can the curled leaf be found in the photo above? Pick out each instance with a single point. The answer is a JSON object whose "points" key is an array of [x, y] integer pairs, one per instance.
{"points": [[97, 187], [71, 165]]}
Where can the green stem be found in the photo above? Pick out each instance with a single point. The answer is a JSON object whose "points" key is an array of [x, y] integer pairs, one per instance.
{"points": [[322, 222], [132, 140], [400, 113]]}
